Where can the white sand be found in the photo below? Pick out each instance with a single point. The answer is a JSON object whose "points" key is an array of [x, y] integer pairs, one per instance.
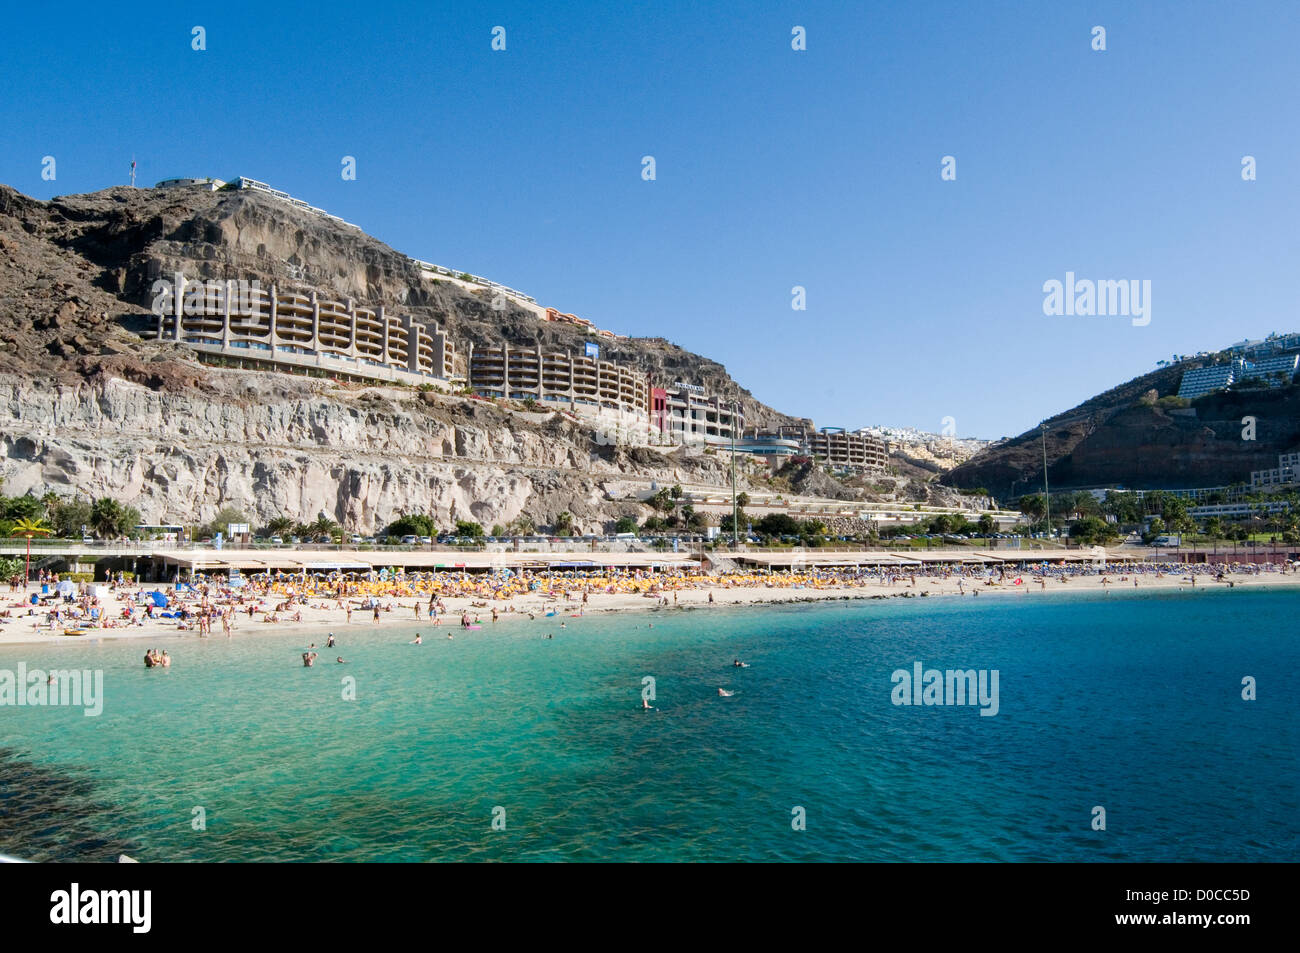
{"points": [[317, 622]]}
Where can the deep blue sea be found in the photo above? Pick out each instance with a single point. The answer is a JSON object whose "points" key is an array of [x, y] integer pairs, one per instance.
{"points": [[1132, 703]]}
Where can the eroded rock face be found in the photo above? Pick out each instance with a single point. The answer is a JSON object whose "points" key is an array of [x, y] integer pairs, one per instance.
{"points": [[77, 274], [90, 404], [273, 445]]}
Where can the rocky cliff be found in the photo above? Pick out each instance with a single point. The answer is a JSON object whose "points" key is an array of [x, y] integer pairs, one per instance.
{"points": [[79, 269], [89, 405], [274, 445]]}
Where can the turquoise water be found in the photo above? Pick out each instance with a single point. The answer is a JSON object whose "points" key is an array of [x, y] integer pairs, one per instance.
{"points": [[1130, 702]]}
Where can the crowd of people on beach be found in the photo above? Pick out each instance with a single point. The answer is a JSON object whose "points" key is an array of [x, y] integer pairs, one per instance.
{"points": [[208, 602]]}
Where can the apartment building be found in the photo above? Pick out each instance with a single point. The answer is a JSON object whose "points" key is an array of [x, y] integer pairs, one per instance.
{"points": [[683, 413], [1203, 380], [581, 384], [1285, 473], [1274, 370], [839, 448], [292, 330]]}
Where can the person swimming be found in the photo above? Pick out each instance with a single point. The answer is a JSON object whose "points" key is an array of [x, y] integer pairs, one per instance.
{"points": [[339, 660], [308, 658], [418, 640], [739, 664], [329, 643], [723, 693]]}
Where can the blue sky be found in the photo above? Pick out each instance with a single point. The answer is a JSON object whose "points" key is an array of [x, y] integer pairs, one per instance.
{"points": [[775, 168]]}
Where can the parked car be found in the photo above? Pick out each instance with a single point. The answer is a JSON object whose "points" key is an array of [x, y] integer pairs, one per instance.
{"points": [[354, 539], [426, 540], [277, 541], [410, 540], [370, 540]]}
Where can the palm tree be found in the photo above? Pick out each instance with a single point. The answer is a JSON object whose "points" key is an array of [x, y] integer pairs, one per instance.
{"points": [[106, 517], [280, 526], [29, 528], [324, 526], [1214, 530]]}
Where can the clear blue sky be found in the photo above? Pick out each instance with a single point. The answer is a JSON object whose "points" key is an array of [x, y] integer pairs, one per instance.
{"points": [[775, 168]]}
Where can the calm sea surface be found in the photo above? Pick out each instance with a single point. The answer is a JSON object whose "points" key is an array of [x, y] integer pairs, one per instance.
{"points": [[1128, 702]]}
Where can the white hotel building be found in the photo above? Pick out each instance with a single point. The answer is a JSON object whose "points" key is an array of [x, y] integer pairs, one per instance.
{"points": [[1285, 473], [684, 415]]}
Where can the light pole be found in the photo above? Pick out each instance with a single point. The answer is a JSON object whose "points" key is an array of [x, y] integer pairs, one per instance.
{"points": [[735, 510], [1047, 496]]}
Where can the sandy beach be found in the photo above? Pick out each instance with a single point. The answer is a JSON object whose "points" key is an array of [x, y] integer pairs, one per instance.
{"points": [[320, 616]]}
